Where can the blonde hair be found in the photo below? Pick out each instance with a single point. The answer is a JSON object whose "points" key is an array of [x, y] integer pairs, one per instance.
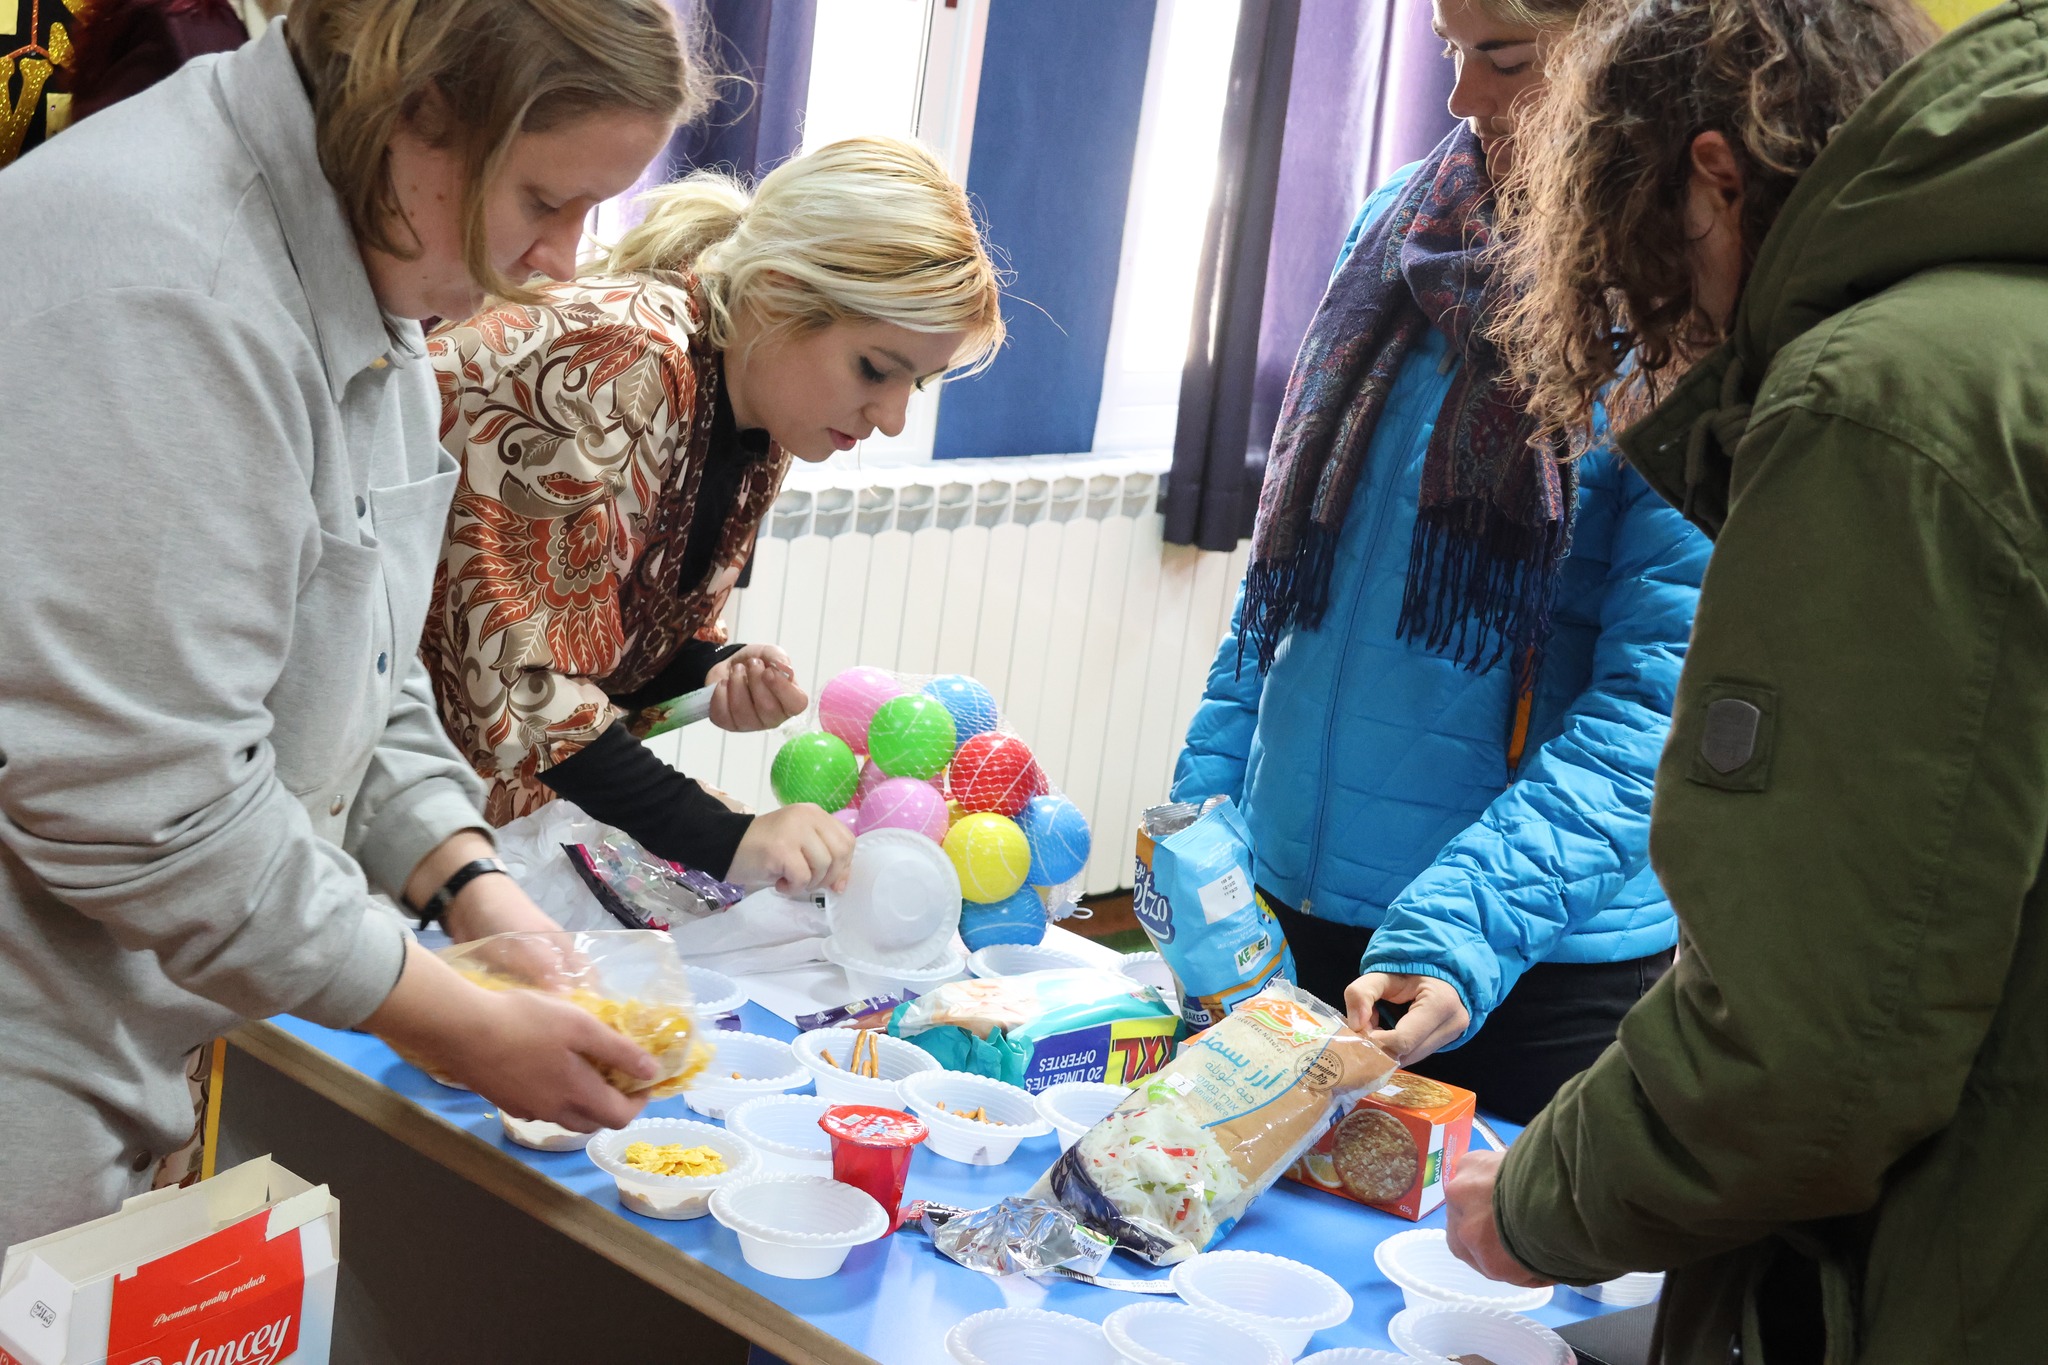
{"points": [[474, 75], [868, 229], [1533, 13]]}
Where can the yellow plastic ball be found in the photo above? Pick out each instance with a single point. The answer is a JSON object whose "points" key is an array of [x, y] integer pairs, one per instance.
{"points": [[991, 855]]}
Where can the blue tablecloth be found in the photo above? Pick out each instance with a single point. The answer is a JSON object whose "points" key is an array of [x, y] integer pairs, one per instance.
{"points": [[896, 1299]]}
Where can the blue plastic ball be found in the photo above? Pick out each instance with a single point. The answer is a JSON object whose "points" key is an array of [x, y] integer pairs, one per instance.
{"points": [[1018, 918], [973, 707], [1058, 835]]}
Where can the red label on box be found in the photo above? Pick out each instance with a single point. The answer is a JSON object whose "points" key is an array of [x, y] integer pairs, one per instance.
{"points": [[230, 1299]]}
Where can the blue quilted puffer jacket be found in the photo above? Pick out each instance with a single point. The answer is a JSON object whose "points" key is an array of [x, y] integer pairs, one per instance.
{"points": [[1373, 772]]}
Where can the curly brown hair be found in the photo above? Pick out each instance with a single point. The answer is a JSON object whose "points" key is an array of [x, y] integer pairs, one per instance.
{"points": [[1595, 211]]}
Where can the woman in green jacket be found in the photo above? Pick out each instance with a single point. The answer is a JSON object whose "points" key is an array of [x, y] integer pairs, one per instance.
{"points": [[1826, 1120]]}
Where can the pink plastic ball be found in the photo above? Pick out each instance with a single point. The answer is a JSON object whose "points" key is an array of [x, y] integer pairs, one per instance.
{"points": [[904, 803], [850, 817], [872, 777], [848, 702]]}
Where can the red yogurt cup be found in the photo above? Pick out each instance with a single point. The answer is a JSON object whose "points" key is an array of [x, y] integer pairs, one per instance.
{"points": [[871, 1151]]}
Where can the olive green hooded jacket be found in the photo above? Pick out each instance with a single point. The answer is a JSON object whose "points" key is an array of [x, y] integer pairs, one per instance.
{"points": [[1848, 1066]]}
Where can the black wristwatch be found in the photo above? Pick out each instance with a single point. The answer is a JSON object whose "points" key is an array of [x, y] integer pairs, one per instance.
{"points": [[437, 904]]}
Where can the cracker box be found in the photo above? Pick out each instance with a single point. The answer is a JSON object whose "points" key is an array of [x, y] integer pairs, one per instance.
{"points": [[1396, 1149]]}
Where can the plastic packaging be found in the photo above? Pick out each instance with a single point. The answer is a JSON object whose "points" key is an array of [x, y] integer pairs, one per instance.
{"points": [[1014, 1236], [784, 1130], [1033, 1030], [836, 1080], [1175, 1334], [542, 1136], [1630, 1291], [871, 1150], [1028, 1336], [1421, 1265], [642, 890], [798, 1227], [1175, 1166], [1444, 1331], [673, 1197], [631, 979], [1288, 1301], [1193, 894], [1073, 1107], [748, 1065], [1014, 959], [941, 1097]]}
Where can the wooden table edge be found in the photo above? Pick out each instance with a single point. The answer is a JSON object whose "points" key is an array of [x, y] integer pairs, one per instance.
{"points": [[676, 1273]]}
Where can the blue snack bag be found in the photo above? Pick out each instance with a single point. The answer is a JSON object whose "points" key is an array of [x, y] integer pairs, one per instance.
{"points": [[1193, 893]]}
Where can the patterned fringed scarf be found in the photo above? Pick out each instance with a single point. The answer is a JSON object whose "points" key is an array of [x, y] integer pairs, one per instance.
{"points": [[1496, 508]]}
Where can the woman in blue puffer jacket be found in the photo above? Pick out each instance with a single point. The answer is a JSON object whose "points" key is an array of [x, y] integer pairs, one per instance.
{"points": [[1452, 664]]}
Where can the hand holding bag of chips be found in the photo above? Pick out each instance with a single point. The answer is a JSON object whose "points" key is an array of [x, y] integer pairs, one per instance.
{"points": [[1173, 1167]]}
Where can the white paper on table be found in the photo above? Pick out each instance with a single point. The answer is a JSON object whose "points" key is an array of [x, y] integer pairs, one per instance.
{"points": [[804, 990]]}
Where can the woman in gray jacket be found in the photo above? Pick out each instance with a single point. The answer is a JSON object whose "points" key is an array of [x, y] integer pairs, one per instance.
{"points": [[221, 504]]}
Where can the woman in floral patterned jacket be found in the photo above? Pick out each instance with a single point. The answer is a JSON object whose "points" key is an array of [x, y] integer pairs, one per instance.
{"points": [[620, 442]]}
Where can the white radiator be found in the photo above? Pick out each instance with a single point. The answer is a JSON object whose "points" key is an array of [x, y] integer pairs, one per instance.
{"points": [[1045, 579]]}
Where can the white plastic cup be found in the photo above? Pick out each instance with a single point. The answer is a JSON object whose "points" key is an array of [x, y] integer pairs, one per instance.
{"points": [[1422, 1266], [1356, 1355], [713, 993], [835, 1081], [798, 1227], [1012, 1113], [1288, 1301], [673, 1197], [1028, 1336], [1014, 959], [766, 1066], [1176, 1334], [542, 1136], [1441, 1331], [1630, 1291], [1073, 1107], [784, 1130]]}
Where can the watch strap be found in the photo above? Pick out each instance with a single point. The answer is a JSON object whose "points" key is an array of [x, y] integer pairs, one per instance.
{"points": [[438, 903]]}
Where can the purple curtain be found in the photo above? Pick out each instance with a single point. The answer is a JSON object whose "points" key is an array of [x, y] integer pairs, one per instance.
{"points": [[1363, 92], [759, 122]]}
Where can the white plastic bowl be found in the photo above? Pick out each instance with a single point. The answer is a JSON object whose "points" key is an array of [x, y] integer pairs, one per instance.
{"points": [[1175, 1334], [1028, 1336], [1014, 959], [1630, 1291], [971, 1141], [1421, 1264], [1073, 1107], [894, 1058], [798, 1227], [901, 903], [784, 1130], [1150, 969], [542, 1136], [1356, 1355], [867, 978], [1443, 1330], [766, 1066], [1288, 1301], [713, 993], [673, 1197]]}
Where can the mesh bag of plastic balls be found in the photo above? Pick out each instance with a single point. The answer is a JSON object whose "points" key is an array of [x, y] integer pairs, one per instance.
{"points": [[890, 750], [632, 980]]}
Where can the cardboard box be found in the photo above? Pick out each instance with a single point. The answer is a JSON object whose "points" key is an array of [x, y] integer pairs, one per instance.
{"points": [[236, 1270], [1396, 1148]]}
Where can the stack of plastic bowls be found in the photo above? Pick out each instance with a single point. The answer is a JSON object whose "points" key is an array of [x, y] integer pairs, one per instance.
{"points": [[896, 926]]}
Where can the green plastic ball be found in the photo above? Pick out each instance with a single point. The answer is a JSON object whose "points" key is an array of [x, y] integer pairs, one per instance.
{"points": [[911, 737], [815, 767]]}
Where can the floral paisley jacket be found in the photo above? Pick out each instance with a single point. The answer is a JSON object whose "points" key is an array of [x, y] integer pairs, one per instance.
{"points": [[581, 425]]}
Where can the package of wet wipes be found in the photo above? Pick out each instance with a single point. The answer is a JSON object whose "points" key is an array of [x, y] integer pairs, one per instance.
{"points": [[1193, 894]]}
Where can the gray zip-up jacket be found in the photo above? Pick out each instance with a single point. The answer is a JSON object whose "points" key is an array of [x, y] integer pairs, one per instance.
{"points": [[221, 505]]}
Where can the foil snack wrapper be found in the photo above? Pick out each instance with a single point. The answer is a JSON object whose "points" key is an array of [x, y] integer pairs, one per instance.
{"points": [[1016, 1236]]}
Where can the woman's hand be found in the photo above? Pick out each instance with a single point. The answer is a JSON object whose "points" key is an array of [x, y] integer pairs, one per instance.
{"points": [[1436, 1015], [1473, 1233], [534, 1056], [798, 848], [755, 690]]}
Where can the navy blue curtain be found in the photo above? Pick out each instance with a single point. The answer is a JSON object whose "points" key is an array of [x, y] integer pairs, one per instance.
{"points": [[758, 123], [1055, 142]]}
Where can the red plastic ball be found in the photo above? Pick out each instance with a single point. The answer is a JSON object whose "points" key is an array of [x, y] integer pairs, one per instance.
{"points": [[995, 772]]}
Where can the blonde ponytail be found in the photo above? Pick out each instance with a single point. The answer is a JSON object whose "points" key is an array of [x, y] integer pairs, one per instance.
{"points": [[868, 229]]}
